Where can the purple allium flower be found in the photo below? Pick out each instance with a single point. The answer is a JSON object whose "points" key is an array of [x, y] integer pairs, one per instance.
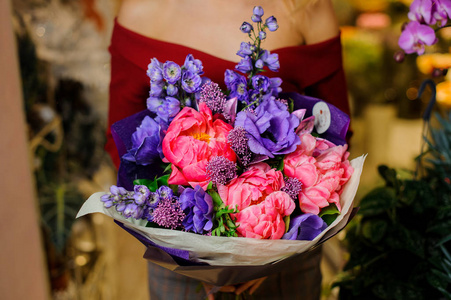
{"points": [[258, 11], [191, 82], [245, 65], [221, 170], [168, 214], [245, 49], [271, 130], [198, 208], [262, 35], [292, 187], [146, 143], [193, 65], [271, 60], [237, 138], [246, 27], [415, 36], [212, 95], [142, 194], [155, 70], [305, 227], [239, 89], [271, 23], [171, 72]]}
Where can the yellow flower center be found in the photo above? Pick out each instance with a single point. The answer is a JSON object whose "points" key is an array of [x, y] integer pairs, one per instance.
{"points": [[202, 137]]}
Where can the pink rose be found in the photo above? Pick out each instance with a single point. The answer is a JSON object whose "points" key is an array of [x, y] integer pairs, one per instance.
{"points": [[251, 187], [265, 220], [191, 140], [322, 169]]}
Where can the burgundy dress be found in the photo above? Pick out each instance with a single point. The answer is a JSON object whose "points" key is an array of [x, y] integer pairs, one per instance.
{"points": [[315, 70]]}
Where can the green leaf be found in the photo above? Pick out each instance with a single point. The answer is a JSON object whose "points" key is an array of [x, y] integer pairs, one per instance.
{"points": [[374, 230], [163, 180], [378, 201], [151, 184], [329, 213], [168, 168]]}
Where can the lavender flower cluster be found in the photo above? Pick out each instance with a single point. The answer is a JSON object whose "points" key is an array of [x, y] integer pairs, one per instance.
{"points": [[192, 210], [418, 32], [173, 86], [254, 88]]}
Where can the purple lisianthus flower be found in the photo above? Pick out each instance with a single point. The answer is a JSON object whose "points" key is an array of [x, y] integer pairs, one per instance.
{"points": [[271, 60], [193, 65], [245, 65], [305, 227], [198, 208], [155, 70], [270, 128], [262, 35], [171, 72], [246, 27], [191, 82], [415, 36], [146, 141], [245, 49], [239, 89], [271, 23], [441, 12]]}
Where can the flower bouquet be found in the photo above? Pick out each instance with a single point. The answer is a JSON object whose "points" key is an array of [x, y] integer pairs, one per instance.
{"points": [[208, 177]]}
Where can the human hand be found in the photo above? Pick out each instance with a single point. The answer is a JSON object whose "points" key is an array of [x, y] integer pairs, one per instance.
{"points": [[250, 286]]}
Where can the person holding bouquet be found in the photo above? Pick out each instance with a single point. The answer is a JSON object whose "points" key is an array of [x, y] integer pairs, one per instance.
{"points": [[308, 45]]}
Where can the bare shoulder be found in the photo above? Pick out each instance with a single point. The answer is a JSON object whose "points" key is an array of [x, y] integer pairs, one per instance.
{"points": [[317, 21], [135, 14]]}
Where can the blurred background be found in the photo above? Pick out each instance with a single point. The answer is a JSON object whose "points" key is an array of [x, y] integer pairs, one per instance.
{"points": [[64, 71]]}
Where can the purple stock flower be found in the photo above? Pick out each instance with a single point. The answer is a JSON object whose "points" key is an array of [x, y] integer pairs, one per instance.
{"points": [[245, 65], [238, 89], [258, 11], [245, 49], [193, 65], [260, 83], [146, 143], [415, 36], [198, 208], [191, 82], [141, 194], [166, 108], [271, 60], [171, 72], [271, 128], [421, 11], [271, 23], [155, 71], [246, 27], [305, 227]]}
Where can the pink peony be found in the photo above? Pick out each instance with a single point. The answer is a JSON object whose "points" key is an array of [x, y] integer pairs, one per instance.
{"points": [[191, 140], [265, 220], [251, 187], [322, 168]]}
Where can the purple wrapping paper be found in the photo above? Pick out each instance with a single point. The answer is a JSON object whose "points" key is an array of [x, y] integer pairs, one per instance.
{"points": [[177, 261]]}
